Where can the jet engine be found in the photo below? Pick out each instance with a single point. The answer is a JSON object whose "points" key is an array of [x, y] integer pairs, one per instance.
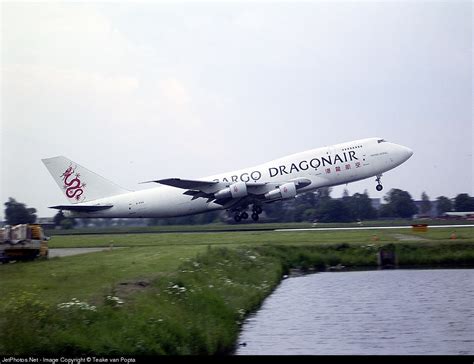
{"points": [[285, 191], [235, 190]]}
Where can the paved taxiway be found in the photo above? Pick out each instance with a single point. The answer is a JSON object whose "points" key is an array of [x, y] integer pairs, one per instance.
{"points": [[65, 252]]}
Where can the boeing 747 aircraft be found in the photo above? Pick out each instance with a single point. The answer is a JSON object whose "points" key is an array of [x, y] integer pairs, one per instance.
{"points": [[91, 195]]}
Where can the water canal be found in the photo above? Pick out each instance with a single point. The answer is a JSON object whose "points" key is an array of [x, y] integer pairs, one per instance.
{"points": [[384, 312]]}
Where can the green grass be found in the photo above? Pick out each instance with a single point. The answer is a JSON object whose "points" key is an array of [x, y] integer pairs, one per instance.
{"points": [[195, 309], [89, 275], [182, 293], [253, 238]]}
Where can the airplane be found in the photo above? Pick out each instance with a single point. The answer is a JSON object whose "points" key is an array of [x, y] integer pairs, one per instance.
{"points": [[91, 195]]}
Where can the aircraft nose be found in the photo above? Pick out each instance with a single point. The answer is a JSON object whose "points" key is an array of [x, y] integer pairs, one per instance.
{"points": [[405, 152]]}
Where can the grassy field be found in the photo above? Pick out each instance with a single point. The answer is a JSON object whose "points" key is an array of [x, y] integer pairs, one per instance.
{"points": [[253, 237], [245, 226], [182, 293]]}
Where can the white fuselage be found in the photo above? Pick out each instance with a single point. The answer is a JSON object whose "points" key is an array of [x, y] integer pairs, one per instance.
{"points": [[327, 166]]}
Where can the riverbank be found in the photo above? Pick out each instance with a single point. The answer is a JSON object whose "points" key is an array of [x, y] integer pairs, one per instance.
{"points": [[154, 298], [195, 309]]}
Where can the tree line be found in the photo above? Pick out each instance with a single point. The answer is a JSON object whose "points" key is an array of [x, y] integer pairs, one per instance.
{"points": [[310, 207]]}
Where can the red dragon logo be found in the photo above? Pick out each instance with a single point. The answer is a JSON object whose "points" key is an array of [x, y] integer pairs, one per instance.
{"points": [[74, 187]]}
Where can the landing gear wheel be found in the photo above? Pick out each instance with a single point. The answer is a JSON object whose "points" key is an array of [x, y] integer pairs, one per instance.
{"points": [[244, 215], [379, 186], [257, 209], [255, 216], [237, 218]]}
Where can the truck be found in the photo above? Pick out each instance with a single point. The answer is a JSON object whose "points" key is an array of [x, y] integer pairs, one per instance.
{"points": [[22, 242]]}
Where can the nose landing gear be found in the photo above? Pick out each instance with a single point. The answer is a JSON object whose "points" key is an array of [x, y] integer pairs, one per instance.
{"points": [[379, 186]]}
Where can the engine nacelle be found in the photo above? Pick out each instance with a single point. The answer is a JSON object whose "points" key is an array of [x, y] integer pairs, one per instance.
{"points": [[235, 190], [285, 191]]}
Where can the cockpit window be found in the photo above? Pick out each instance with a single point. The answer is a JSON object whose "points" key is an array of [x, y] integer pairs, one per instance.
{"points": [[381, 141]]}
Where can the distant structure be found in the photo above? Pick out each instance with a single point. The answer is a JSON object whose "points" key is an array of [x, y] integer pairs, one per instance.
{"points": [[46, 222], [433, 211], [376, 203], [462, 215]]}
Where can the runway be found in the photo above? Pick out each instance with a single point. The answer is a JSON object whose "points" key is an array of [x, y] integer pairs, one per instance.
{"points": [[256, 229], [370, 228]]}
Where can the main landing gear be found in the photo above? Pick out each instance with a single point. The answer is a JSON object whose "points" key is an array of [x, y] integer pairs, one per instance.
{"points": [[379, 186], [256, 210], [240, 215]]}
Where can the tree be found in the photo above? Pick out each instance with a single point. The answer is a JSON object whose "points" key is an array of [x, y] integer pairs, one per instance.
{"points": [[323, 192], [303, 207], [18, 213], [63, 221], [332, 210], [345, 193], [425, 207], [58, 218], [360, 206], [463, 202], [67, 223], [309, 215], [443, 204], [399, 204]]}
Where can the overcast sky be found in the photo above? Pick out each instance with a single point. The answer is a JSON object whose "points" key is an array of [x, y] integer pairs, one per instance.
{"points": [[140, 91]]}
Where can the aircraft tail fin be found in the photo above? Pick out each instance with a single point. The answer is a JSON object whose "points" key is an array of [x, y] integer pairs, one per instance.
{"points": [[78, 183]]}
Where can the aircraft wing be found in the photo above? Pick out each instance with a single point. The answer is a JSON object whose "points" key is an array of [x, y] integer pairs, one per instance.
{"points": [[227, 192], [207, 187], [82, 208], [189, 184]]}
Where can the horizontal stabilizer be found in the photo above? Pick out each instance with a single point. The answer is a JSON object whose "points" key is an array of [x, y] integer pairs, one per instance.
{"points": [[81, 208]]}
